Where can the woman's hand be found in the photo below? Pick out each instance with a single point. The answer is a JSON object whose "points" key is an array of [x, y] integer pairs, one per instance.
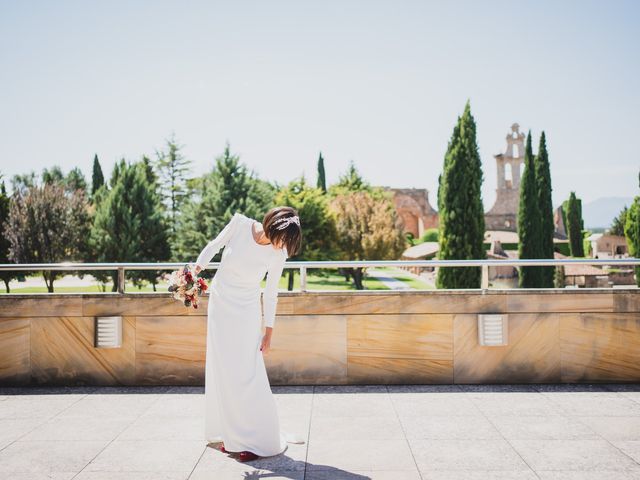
{"points": [[265, 345]]}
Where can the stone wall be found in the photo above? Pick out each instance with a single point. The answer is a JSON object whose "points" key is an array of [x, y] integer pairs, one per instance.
{"points": [[419, 337]]}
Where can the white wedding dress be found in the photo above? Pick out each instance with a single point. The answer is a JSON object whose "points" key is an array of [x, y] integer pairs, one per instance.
{"points": [[240, 409]]}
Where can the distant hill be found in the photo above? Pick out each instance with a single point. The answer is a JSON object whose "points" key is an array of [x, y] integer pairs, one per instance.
{"points": [[600, 212]]}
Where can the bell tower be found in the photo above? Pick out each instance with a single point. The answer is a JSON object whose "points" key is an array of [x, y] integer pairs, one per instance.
{"points": [[502, 216]]}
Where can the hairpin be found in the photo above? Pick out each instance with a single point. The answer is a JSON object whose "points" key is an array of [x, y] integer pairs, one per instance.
{"points": [[287, 221]]}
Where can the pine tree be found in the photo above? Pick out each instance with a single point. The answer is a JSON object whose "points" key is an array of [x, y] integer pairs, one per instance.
{"points": [[351, 181], [529, 223], [148, 206], [322, 182], [617, 226], [545, 202], [574, 227], [128, 226], [97, 179], [461, 212], [172, 168], [230, 187]]}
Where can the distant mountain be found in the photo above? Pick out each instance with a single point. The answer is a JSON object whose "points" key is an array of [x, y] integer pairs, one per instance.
{"points": [[600, 212]]}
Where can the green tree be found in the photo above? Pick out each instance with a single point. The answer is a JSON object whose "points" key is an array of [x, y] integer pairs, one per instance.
{"points": [[317, 224], [47, 225], [618, 224], [429, 235], [632, 232], [350, 182], [368, 228], [322, 182], [75, 180], [461, 212], [97, 178], [128, 226], [529, 222], [53, 175], [6, 276], [574, 226], [214, 198], [545, 203], [173, 169], [22, 183]]}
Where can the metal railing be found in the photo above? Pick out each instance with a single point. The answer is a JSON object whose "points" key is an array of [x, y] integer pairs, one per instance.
{"points": [[302, 266]]}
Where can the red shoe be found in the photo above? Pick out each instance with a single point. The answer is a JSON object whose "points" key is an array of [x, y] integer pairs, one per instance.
{"points": [[247, 456], [223, 450]]}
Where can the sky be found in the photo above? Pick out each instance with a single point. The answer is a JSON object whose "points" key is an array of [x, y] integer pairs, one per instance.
{"points": [[379, 83]]}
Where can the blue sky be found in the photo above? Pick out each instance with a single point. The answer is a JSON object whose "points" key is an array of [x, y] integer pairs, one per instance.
{"points": [[379, 83]]}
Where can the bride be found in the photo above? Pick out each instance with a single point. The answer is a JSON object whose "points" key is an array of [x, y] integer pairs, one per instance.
{"points": [[240, 409]]}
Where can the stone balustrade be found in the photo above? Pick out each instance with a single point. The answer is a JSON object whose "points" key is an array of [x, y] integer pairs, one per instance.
{"points": [[363, 337]]}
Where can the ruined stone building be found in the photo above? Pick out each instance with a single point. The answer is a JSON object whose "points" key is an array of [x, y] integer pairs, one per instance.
{"points": [[503, 214], [412, 205]]}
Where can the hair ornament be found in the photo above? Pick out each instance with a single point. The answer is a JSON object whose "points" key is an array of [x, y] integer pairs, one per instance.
{"points": [[287, 221]]}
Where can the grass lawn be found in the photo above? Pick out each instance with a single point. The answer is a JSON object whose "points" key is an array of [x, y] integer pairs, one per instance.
{"points": [[328, 279], [319, 280]]}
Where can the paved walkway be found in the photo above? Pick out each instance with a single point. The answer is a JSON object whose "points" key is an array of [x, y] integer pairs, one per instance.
{"points": [[357, 432], [388, 279]]}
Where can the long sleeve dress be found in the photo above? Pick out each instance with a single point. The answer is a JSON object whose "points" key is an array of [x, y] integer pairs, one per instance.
{"points": [[239, 406]]}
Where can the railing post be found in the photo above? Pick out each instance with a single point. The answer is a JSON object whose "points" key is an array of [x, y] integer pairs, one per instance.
{"points": [[303, 279], [120, 279], [484, 283]]}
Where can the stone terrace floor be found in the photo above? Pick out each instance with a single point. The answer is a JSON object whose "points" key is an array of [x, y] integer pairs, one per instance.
{"points": [[352, 432]]}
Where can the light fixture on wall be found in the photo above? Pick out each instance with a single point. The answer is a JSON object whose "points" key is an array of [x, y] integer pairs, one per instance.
{"points": [[108, 332], [493, 329]]}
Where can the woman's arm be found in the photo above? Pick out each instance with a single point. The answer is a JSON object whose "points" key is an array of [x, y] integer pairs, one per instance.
{"points": [[270, 295], [217, 243]]}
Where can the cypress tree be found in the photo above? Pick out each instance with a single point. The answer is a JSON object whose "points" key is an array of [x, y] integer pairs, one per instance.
{"points": [[97, 178], [322, 182], [529, 245], [461, 212], [545, 202], [574, 227]]}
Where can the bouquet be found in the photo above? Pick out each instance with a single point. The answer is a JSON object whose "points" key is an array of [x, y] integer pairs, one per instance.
{"points": [[186, 286]]}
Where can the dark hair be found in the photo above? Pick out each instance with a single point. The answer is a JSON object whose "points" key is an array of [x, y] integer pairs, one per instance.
{"points": [[290, 236]]}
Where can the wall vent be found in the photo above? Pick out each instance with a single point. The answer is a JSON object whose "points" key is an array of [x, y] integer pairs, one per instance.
{"points": [[493, 329], [108, 332]]}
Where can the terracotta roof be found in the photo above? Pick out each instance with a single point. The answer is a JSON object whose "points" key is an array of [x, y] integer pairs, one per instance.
{"points": [[575, 270], [421, 250], [580, 270]]}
